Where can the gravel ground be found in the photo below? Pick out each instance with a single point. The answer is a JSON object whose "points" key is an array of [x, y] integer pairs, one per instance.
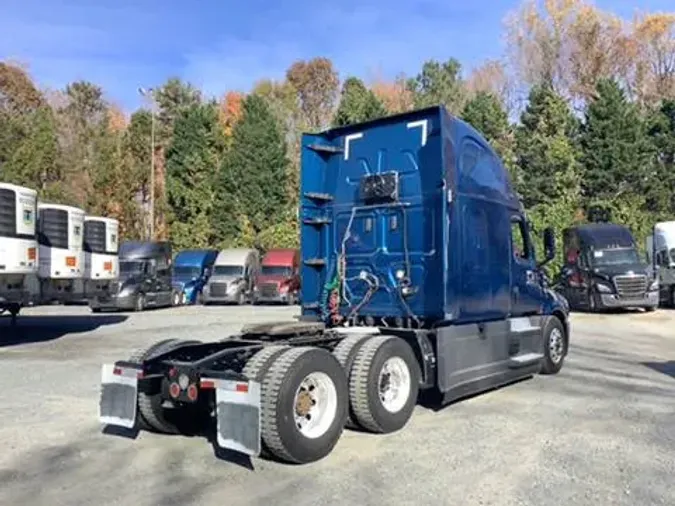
{"points": [[601, 432]]}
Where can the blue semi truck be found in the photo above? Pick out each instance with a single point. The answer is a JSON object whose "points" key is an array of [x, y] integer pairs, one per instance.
{"points": [[418, 274], [191, 271]]}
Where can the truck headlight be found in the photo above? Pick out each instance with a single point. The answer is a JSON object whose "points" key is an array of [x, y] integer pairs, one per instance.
{"points": [[603, 287], [654, 285]]}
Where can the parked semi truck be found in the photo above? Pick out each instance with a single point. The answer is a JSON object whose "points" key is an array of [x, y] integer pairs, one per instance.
{"points": [[61, 258], [660, 246], [191, 271], [410, 281], [233, 278], [18, 245], [603, 269], [279, 276], [144, 279]]}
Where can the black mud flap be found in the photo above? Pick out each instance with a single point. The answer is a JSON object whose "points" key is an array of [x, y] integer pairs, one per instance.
{"points": [[119, 388], [237, 415]]}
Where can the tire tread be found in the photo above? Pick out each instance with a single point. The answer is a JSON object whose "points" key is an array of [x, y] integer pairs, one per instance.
{"points": [[146, 410], [358, 383], [258, 364], [272, 384], [342, 352]]}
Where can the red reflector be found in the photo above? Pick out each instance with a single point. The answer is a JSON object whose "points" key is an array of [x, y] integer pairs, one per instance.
{"points": [[242, 387], [117, 371], [207, 384]]}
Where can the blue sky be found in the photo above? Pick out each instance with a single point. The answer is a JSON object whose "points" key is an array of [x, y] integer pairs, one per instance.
{"points": [[223, 45]]}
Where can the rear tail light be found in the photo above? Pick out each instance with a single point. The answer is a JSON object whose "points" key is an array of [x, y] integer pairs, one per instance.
{"points": [[31, 253], [174, 390], [71, 261], [192, 392]]}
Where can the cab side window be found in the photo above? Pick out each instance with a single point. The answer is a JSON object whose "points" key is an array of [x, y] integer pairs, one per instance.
{"points": [[519, 239]]}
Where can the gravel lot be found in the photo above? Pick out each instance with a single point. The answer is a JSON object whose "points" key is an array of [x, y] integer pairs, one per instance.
{"points": [[601, 432]]}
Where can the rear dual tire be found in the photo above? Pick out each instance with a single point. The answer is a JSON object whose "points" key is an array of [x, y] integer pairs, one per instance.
{"points": [[304, 401], [383, 384]]}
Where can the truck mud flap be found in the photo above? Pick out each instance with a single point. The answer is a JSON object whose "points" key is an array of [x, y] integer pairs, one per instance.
{"points": [[237, 414], [119, 388]]}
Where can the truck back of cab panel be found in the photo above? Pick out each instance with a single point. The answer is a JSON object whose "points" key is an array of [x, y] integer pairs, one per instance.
{"points": [[394, 221]]}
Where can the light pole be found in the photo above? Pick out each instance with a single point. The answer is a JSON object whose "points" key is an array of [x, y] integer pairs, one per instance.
{"points": [[148, 95]]}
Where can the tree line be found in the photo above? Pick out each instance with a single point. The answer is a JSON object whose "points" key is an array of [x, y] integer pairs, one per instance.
{"points": [[581, 109]]}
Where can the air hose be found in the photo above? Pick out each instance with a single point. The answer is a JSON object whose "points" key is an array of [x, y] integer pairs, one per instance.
{"points": [[332, 284]]}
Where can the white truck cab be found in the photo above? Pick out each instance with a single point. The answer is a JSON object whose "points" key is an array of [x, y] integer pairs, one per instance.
{"points": [[18, 245]]}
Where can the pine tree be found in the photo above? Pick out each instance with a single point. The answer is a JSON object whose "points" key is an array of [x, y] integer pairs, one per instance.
{"points": [[252, 178], [192, 159], [661, 194], [357, 104], [546, 148], [617, 155]]}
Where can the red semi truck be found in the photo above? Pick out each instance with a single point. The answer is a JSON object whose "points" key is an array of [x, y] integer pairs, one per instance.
{"points": [[279, 277]]}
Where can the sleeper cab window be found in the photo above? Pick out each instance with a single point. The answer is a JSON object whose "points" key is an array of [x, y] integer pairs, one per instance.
{"points": [[519, 241]]}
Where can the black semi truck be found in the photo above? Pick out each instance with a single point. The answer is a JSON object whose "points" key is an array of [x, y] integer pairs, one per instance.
{"points": [[418, 273], [603, 269], [145, 279]]}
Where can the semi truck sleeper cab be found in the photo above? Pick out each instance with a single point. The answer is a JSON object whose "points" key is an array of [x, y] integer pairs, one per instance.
{"points": [[409, 282]]}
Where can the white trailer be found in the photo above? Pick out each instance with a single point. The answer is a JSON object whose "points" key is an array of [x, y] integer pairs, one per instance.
{"points": [[61, 252], [660, 248], [101, 257], [18, 245]]}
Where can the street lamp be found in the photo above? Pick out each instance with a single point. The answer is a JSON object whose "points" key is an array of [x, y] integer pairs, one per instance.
{"points": [[148, 95]]}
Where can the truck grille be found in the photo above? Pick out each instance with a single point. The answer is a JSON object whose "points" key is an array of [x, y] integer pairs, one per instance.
{"points": [[94, 236], [631, 286], [53, 228], [218, 289], [268, 290]]}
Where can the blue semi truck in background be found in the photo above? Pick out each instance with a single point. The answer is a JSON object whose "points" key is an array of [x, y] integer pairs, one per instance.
{"points": [[191, 271], [418, 274]]}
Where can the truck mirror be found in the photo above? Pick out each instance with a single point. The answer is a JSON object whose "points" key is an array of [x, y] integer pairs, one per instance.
{"points": [[549, 245]]}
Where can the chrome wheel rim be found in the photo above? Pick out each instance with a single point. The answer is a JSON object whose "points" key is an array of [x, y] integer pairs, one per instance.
{"points": [[555, 345], [394, 384], [315, 405]]}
